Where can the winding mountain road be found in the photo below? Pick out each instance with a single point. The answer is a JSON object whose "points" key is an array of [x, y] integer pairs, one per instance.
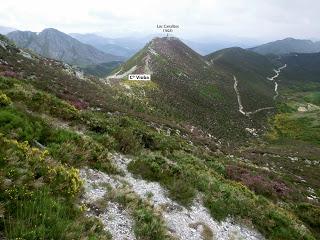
{"points": [[235, 86], [273, 78]]}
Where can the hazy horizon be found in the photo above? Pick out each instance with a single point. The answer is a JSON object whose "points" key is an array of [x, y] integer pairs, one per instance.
{"points": [[234, 21]]}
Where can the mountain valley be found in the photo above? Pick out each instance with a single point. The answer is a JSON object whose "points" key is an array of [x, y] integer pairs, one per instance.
{"points": [[222, 146]]}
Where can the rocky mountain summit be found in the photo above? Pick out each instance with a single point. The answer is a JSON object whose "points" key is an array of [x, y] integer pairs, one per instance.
{"points": [[54, 44]]}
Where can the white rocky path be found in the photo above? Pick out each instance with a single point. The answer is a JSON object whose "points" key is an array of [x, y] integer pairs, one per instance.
{"points": [[120, 76], [183, 223], [235, 86], [147, 69], [241, 108], [273, 78]]}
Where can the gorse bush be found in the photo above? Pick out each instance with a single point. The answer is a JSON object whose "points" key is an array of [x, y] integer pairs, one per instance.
{"points": [[46, 103], [66, 180], [4, 100], [38, 194], [71, 148], [310, 214]]}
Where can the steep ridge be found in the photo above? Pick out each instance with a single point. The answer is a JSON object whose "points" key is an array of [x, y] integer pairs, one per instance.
{"points": [[201, 89]]}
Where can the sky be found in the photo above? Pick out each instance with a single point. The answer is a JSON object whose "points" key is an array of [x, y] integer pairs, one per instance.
{"points": [[262, 20]]}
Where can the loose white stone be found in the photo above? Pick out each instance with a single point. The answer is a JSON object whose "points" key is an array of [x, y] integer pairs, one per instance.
{"points": [[183, 223]]}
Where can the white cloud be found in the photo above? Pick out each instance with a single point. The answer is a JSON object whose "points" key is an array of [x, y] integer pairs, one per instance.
{"points": [[259, 19]]}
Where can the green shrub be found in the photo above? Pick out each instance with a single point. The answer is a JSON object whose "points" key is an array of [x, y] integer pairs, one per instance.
{"points": [[156, 168], [182, 174], [71, 148], [147, 223], [276, 224], [46, 103], [310, 214], [21, 126], [285, 108], [127, 141], [60, 136], [180, 190], [147, 226], [4, 100], [285, 127], [6, 83], [105, 140], [313, 98]]}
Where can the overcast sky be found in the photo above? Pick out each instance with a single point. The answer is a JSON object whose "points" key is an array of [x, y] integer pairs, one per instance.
{"points": [[253, 19]]}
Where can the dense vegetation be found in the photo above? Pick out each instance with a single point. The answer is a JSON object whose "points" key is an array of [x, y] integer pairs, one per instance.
{"points": [[40, 148], [48, 133], [102, 69], [21, 121]]}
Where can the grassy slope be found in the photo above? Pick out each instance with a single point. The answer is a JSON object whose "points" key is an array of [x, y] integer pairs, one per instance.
{"points": [[291, 149], [38, 192], [37, 115], [107, 134]]}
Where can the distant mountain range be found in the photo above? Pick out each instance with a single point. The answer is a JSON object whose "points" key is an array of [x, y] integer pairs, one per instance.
{"points": [[107, 45], [54, 44], [6, 30], [104, 44], [183, 132], [288, 45], [128, 46]]}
